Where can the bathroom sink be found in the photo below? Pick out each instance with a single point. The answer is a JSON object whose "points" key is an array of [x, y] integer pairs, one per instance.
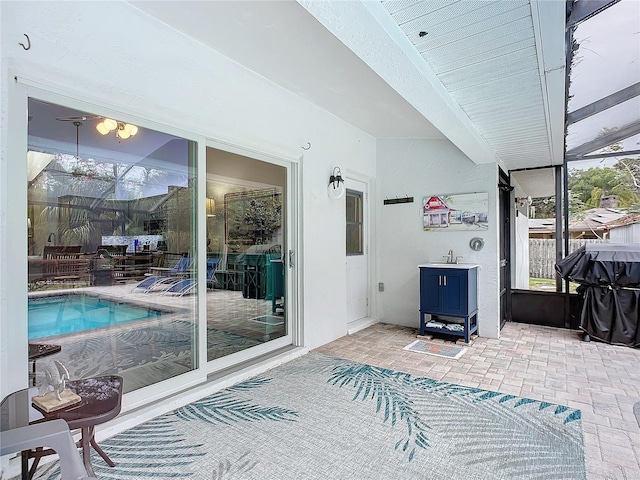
{"points": [[447, 265]]}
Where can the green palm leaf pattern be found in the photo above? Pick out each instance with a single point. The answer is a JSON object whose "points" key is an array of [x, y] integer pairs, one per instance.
{"points": [[383, 386], [250, 384], [237, 470], [153, 450], [493, 425], [225, 407], [479, 395]]}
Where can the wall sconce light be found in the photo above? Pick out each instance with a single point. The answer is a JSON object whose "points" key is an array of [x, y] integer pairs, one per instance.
{"points": [[523, 202], [336, 188], [211, 207], [123, 130]]}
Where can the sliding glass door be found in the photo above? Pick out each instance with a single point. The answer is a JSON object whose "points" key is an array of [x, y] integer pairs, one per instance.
{"points": [[246, 202], [116, 282]]}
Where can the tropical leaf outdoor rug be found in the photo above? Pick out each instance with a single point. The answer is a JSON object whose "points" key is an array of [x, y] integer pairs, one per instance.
{"points": [[320, 417]]}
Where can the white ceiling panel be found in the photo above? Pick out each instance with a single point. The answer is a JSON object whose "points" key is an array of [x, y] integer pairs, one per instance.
{"points": [[468, 54], [483, 38], [484, 54], [535, 183], [448, 26], [483, 72]]}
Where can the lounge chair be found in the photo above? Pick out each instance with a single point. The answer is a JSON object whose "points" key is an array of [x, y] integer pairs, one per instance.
{"points": [[212, 266], [162, 282], [181, 287], [188, 285]]}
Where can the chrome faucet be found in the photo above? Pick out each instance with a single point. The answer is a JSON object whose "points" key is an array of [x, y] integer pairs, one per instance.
{"points": [[451, 259]]}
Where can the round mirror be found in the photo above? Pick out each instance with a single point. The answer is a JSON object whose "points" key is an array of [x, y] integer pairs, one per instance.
{"points": [[476, 243]]}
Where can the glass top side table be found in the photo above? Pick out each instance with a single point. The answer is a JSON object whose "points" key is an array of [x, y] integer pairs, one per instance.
{"points": [[101, 402]]}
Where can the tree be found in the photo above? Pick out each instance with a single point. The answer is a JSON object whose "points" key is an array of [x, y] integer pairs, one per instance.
{"points": [[264, 215], [543, 207], [631, 167], [588, 187]]}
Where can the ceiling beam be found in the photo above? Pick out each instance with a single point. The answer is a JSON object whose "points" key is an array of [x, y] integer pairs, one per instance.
{"points": [[549, 31], [605, 140], [584, 9], [604, 103], [574, 158]]}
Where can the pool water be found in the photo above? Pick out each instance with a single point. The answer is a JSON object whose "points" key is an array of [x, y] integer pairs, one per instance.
{"points": [[59, 314]]}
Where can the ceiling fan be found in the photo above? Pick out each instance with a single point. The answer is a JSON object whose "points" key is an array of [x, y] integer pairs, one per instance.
{"points": [[105, 126]]}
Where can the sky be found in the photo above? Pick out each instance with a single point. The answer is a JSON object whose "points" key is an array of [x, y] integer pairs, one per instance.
{"points": [[607, 61]]}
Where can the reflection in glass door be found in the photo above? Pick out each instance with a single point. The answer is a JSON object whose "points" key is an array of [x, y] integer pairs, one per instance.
{"points": [[246, 238], [111, 244]]}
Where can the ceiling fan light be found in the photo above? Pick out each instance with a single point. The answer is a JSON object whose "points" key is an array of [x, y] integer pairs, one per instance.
{"points": [[124, 134], [101, 127], [110, 124], [133, 130]]}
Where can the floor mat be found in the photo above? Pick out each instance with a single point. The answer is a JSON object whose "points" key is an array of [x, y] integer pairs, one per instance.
{"points": [[438, 349]]}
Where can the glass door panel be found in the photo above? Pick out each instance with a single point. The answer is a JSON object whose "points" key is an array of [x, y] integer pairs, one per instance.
{"points": [[111, 243], [246, 238]]}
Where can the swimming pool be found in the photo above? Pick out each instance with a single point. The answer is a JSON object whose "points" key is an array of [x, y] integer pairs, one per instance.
{"points": [[59, 314]]}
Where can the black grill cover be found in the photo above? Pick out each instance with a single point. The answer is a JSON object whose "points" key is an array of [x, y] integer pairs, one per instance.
{"points": [[603, 264], [609, 275]]}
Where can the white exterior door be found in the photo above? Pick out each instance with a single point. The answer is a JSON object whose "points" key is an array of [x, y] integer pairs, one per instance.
{"points": [[357, 251]]}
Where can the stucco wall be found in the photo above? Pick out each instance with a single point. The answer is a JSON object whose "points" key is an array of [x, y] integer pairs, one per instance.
{"points": [[114, 56], [418, 168]]}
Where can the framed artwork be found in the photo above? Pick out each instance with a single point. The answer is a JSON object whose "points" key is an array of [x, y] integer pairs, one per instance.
{"points": [[251, 217], [451, 213]]}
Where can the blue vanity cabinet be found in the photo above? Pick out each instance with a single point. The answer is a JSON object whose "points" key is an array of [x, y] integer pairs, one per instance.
{"points": [[448, 293]]}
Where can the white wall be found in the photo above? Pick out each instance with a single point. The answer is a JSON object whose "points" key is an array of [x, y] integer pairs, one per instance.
{"points": [[419, 168], [114, 56], [521, 263], [520, 244], [626, 234]]}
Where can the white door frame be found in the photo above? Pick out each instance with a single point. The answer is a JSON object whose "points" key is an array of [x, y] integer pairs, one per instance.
{"points": [[290, 257], [369, 228]]}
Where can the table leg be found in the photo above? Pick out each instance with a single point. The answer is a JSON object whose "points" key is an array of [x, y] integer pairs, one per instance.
{"points": [[101, 453], [25, 465], [87, 435], [34, 372], [92, 442], [36, 454]]}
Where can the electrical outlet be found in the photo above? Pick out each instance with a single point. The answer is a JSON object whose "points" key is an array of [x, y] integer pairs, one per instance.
{"points": [[381, 287]]}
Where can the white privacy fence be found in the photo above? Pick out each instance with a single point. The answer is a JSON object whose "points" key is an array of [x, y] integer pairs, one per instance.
{"points": [[542, 255]]}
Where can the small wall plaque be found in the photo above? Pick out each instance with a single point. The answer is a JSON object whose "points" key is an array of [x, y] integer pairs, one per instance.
{"points": [[393, 201]]}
